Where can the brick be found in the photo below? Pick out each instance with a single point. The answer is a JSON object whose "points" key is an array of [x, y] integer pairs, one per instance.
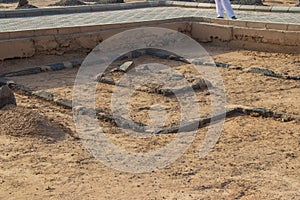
{"points": [[293, 27], [219, 21], [191, 4], [205, 32], [256, 25], [88, 41], [181, 26], [277, 26], [167, 3], [179, 3], [247, 7], [69, 30], [206, 19], [51, 31], [263, 8], [17, 48], [236, 7], [21, 34], [237, 23], [206, 5], [4, 35], [90, 28]]}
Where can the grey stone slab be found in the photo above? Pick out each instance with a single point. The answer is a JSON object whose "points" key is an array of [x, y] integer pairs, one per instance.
{"points": [[141, 15], [294, 9], [279, 9], [247, 7]]}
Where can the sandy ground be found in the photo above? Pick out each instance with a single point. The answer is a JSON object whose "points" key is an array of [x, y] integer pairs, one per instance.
{"points": [[255, 158], [41, 4], [45, 3]]}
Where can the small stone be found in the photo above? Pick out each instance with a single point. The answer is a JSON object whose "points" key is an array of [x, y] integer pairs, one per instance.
{"points": [[45, 95], [107, 80], [24, 4], [126, 66], [7, 97], [223, 65]]}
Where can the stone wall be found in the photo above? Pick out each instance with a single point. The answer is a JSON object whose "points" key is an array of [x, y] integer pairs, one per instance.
{"points": [[86, 38]]}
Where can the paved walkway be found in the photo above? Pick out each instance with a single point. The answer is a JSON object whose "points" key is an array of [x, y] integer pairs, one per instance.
{"points": [[134, 15]]}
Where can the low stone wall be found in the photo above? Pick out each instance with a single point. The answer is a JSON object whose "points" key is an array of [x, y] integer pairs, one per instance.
{"points": [[248, 38], [246, 35]]}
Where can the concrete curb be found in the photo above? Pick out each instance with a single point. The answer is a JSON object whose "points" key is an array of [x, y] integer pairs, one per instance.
{"points": [[236, 34], [134, 5], [78, 9], [235, 7], [76, 30]]}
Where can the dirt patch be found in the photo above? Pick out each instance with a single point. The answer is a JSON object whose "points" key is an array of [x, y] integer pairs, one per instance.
{"points": [[68, 3], [255, 157], [9, 5], [20, 122]]}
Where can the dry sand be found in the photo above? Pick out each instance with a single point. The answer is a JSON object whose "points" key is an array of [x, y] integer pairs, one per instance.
{"points": [[46, 3], [255, 158]]}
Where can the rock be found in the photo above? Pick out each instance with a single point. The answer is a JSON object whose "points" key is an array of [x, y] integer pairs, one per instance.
{"points": [[126, 66], [24, 4], [223, 65], [7, 97], [265, 72], [106, 80], [45, 95], [3, 81], [68, 3], [64, 102]]}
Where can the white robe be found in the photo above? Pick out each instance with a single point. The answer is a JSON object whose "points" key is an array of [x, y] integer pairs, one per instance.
{"points": [[224, 5]]}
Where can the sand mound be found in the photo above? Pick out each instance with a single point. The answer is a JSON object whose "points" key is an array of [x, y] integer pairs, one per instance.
{"points": [[21, 121], [68, 3]]}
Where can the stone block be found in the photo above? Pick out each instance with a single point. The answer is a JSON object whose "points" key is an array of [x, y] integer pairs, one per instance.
{"points": [[277, 26], [16, 48], [204, 32], [279, 9]]}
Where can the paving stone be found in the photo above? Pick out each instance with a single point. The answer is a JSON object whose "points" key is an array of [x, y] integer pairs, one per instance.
{"points": [[135, 15]]}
